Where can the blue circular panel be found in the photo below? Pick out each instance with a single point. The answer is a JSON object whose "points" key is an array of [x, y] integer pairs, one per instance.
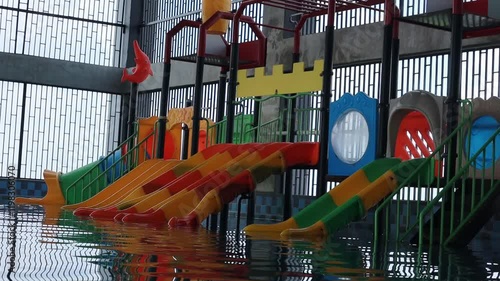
{"points": [[483, 128]]}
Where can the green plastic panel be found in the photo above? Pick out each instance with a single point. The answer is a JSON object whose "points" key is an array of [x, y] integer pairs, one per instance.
{"points": [[377, 168], [75, 195], [315, 211], [348, 212], [243, 125]]}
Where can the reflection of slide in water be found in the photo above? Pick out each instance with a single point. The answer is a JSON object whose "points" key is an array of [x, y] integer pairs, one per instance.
{"points": [[347, 202], [163, 254], [332, 259]]}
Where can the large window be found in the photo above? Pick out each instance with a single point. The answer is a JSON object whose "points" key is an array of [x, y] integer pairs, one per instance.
{"points": [[87, 31], [53, 128], [45, 127]]}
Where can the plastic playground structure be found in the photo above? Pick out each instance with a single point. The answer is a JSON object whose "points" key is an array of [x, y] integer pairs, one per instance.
{"points": [[431, 162]]}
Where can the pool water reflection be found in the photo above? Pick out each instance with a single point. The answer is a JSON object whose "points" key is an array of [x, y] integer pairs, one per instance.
{"points": [[51, 244]]}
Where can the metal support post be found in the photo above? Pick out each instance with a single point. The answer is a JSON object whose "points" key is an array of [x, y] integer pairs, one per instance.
{"points": [[455, 70], [321, 184], [162, 119]]}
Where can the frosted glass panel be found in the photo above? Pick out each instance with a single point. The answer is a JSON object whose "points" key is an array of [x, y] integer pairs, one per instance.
{"points": [[350, 136]]}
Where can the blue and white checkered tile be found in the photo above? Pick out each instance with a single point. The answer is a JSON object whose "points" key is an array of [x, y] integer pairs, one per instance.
{"points": [[24, 188], [32, 189], [268, 204], [300, 202], [3, 190]]}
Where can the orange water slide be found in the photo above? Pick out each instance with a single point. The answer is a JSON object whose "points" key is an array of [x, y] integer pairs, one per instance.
{"points": [[131, 179], [185, 201], [168, 184], [297, 154], [145, 173]]}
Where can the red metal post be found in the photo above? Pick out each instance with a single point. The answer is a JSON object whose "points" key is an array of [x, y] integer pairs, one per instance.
{"points": [[458, 7], [165, 87]]}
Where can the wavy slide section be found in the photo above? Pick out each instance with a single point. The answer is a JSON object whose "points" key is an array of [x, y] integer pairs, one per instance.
{"points": [[183, 202], [167, 185], [303, 154], [146, 173], [347, 202]]}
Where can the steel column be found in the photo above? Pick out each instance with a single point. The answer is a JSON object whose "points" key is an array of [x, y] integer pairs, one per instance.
{"points": [[134, 25], [394, 61], [124, 118], [251, 196], [198, 90], [21, 131], [233, 70], [288, 181], [388, 88], [162, 118], [198, 85], [221, 100], [321, 184], [385, 84], [231, 95], [185, 142], [454, 73], [165, 87], [134, 91]]}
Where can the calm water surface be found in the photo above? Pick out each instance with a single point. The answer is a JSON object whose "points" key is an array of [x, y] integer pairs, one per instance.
{"points": [[50, 244]]}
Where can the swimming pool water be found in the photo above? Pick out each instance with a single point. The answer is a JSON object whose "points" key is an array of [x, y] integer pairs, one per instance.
{"points": [[49, 244]]}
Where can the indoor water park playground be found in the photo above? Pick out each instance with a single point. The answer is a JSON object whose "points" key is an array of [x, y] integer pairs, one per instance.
{"points": [[250, 140]]}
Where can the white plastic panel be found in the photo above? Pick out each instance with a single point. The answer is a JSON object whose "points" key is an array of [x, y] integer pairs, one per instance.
{"points": [[350, 137]]}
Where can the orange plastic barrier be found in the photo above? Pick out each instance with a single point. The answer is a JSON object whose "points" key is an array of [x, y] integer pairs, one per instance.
{"points": [[415, 139], [209, 8]]}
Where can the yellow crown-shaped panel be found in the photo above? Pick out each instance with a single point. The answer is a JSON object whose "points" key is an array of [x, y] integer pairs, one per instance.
{"points": [[299, 80]]}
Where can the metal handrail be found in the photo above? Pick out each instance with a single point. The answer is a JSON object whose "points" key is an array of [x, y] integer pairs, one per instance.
{"points": [[439, 153], [451, 185], [94, 176]]}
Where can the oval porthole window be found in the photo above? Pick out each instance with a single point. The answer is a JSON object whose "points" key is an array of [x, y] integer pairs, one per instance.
{"points": [[350, 136], [482, 130]]}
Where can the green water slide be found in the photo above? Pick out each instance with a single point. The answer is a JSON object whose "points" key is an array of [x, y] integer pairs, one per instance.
{"points": [[59, 185], [67, 179], [84, 182], [347, 202], [93, 177]]}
